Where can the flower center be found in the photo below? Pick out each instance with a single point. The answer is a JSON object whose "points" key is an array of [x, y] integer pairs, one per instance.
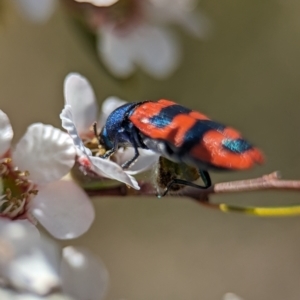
{"points": [[93, 145], [91, 141], [16, 190]]}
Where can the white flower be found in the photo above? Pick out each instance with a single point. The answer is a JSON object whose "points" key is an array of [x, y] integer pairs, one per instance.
{"points": [[153, 48], [32, 266], [134, 33], [79, 114], [30, 185], [99, 2]]}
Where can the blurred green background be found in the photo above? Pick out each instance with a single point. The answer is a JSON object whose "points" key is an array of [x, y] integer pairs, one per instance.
{"points": [[245, 75]]}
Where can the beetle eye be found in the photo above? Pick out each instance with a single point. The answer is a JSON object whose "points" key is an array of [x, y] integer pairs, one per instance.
{"points": [[104, 141]]}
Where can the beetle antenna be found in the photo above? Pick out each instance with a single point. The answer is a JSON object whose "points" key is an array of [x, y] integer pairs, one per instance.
{"points": [[95, 130]]}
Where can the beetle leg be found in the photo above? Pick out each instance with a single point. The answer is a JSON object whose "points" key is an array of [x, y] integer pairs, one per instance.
{"points": [[136, 143], [108, 153], [204, 176], [128, 163], [111, 151]]}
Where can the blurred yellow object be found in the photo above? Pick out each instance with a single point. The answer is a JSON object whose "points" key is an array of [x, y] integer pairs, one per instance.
{"points": [[272, 211]]}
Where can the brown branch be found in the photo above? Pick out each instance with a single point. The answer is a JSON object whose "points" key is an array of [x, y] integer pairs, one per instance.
{"points": [[266, 182], [201, 196]]}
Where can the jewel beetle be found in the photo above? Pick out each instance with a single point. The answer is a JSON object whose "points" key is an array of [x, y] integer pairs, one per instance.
{"points": [[179, 134]]}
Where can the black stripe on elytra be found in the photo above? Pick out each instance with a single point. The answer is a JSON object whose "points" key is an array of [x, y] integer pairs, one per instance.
{"points": [[167, 114], [195, 134], [201, 127]]}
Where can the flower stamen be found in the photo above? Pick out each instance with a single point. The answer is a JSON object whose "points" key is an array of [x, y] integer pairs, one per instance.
{"points": [[93, 145], [17, 190]]}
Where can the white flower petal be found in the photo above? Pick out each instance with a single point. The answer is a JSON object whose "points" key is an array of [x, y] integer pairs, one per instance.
{"points": [[116, 52], [36, 269], [195, 23], [66, 117], [157, 51], [18, 226], [36, 11], [80, 95], [46, 152], [8, 294], [31, 229], [63, 209], [231, 296], [27, 262], [171, 10], [146, 160], [99, 2], [83, 275], [182, 12], [108, 106], [109, 169], [16, 232], [6, 133]]}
